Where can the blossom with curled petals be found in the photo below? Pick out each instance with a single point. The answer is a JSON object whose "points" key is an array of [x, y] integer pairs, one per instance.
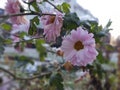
{"points": [[52, 26], [14, 7]]}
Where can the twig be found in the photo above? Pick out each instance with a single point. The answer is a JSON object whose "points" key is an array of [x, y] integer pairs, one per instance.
{"points": [[20, 78], [22, 14], [23, 40], [18, 14]]}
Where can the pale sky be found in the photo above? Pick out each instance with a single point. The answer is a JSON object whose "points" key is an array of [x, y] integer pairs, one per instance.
{"points": [[102, 9], [105, 10], [2, 3]]}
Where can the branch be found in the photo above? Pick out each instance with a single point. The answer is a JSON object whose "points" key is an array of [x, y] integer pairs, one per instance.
{"points": [[23, 40], [29, 78], [18, 14], [22, 14]]}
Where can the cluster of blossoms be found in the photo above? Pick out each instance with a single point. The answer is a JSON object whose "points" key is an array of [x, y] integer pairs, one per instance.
{"points": [[78, 47]]}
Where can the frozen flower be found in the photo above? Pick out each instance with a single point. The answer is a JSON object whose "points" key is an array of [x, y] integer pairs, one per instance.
{"points": [[52, 26], [79, 47], [14, 7]]}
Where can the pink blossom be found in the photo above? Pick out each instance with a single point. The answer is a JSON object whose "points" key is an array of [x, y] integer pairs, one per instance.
{"points": [[79, 47], [13, 7], [52, 26]]}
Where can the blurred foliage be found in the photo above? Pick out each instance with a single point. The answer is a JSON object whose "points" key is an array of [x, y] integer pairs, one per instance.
{"points": [[56, 81], [41, 49], [71, 21], [1, 46], [100, 77], [6, 26]]}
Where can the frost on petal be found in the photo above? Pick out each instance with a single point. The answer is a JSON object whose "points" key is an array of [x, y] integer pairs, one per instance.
{"points": [[13, 7], [52, 26], [79, 47]]}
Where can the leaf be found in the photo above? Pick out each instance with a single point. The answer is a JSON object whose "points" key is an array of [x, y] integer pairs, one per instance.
{"points": [[8, 41], [6, 26], [71, 21], [109, 24], [109, 47], [101, 59], [23, 60], [65, 7], [19, 46], [32, 29], [36, 20], [40, 48], [1, 46], [56, 80], [35, 6]]}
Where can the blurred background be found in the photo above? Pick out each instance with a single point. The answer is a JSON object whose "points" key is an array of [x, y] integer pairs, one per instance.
{"points": [[94, 10]]}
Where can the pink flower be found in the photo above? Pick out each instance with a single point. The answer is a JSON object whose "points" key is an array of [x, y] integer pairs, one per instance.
{"points": [[79, 47], [52, 26], [13, 7]]}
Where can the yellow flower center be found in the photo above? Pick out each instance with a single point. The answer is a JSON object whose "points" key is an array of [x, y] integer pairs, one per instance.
{"points": [[52, 19], [78, 45]]}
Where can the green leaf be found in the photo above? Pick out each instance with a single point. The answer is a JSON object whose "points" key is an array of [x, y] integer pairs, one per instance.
{"points": [[26, 59], [32, 29], [98, 70], [109, 24], [71, 21], [106, 28], [56, 80], [1, 46], [23, 61], [109, 47], [22, 34], [40, 48], [100, 58], [36, 20], [35, 6], [8, 41], [5, 26], [65, 7]]}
